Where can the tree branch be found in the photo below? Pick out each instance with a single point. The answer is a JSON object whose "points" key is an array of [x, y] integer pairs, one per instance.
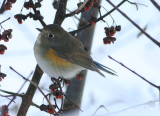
{"points": [[2, 9], [151, 38], [27, 98], [78, 9], [155, 4], [158, 87], [60, 14], [100, 18]]}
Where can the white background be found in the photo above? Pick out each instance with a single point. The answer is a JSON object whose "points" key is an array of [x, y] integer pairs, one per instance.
{"points": [[115, 93]]}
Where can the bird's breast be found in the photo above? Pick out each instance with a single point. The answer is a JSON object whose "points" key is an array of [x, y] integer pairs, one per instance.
{"points": [[56, 60]]}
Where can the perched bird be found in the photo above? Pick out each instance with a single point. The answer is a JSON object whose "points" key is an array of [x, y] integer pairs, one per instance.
{"points": [[59, 54]]}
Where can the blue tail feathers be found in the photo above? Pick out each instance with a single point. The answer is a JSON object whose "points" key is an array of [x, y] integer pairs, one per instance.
{"points": [[104, 68]]}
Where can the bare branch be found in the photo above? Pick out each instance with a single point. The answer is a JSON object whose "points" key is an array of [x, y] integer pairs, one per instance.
{"points": [[33, 83], [5, 20], [2, 9], [155, 4], [78, 9], [60, 14], [151, 38], [158, 87], [100, 18], [132, 107]]}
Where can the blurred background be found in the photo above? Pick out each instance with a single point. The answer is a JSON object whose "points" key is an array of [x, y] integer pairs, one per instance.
{"points": [[123, 95]]}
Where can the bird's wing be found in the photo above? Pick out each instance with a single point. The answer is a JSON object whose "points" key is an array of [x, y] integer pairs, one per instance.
{"points": [[77, 56]]}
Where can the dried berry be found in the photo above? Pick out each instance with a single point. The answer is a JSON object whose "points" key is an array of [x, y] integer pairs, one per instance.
{"points": [[118, 28], [56, 4], [28, 5], [93, 20], [7, 6], [108, 40], [2, 49], [53, 87], [38, 5], [47, 108], [79, 77], [12, 1]]}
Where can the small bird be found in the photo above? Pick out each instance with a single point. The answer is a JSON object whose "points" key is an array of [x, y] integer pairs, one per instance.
{"points": [[59, 54]]}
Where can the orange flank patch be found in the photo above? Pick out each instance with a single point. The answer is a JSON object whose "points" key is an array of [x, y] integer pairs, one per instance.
{"points": [[56, 60]]}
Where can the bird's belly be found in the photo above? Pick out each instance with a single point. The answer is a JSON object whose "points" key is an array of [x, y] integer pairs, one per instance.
{"points": [[55, 66]]}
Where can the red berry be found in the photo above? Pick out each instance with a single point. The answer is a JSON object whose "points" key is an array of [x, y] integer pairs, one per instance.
{"points": [[118, 28], [59, 97], [86, 8], [13, 1], [90, 4], [79, 77], [51, 111], [2, 48], [15, 16], [52, 90], [92, 22], [20, 21], [6, 39]]}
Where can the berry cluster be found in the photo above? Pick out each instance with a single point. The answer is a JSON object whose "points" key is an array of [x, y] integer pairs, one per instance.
{"points": [[79, 76], [8, 4], [4, 110], [56, 89], [2, 75], [88, 5], [5, 36], [30, 4], [109, 33], [2, 49], [48, 108], [20, 17], [35, 16], [92, 20]]}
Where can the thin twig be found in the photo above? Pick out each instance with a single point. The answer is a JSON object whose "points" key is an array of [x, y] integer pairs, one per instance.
{"points": [[74, 15], [158, 87], [136, 4], [11, 93], [138, 27], [78, 9], [37, 106], [72, 102], [34, 85], [16, 94], [5, 20], [19, 90], [101, 106], [142, 104]]}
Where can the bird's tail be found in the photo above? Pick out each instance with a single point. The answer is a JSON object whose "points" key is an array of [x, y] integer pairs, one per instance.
{"points": [[104, 68]]}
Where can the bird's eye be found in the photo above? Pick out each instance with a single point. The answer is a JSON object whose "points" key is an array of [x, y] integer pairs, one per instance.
{"points": [[50, 35]]}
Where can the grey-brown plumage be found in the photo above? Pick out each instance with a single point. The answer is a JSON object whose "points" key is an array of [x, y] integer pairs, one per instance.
{"points": [[66, 47]]}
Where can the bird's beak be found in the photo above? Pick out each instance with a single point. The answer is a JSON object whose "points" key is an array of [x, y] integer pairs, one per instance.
{"points": [[39, 29]]}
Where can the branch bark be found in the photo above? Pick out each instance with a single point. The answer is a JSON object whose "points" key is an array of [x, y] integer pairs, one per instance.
{"points": [[61, 12], [27, 98]]}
